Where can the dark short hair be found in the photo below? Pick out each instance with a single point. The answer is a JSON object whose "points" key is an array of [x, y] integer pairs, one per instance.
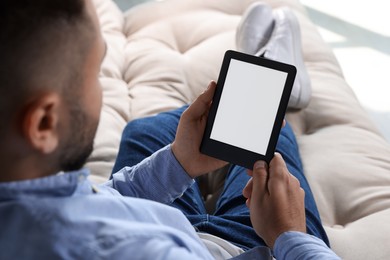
{"points": [[43, 44]]}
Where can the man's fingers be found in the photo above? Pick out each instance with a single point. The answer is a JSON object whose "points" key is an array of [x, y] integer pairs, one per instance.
{"points": [[247, 191], [202, 104], [277, 167], [280, 177]]}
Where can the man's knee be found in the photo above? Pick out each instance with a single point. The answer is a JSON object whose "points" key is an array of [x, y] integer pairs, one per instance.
{"points": [[138, 128], [287, 136]]}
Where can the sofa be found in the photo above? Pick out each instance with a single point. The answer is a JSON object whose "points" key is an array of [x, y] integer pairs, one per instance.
{"points": [[161, 55]]}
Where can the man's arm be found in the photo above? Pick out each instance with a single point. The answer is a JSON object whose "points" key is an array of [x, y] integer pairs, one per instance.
{"points": [[159, 177], [276, 203], [118, 245], [298, 245], [166, 174]]}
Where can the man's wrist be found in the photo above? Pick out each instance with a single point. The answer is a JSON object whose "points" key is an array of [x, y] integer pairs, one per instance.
{"points": [[295, 244], [179, 160], [288, 233]]}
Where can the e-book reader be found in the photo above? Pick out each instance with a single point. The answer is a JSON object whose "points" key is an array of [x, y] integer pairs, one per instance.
{"points": [[248, 109]]}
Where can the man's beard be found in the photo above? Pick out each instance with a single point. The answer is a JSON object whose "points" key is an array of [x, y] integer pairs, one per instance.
{"points": [[78, 145]]}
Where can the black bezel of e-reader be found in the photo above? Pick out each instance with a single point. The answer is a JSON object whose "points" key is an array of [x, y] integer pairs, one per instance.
{"points": [[237, 155]]}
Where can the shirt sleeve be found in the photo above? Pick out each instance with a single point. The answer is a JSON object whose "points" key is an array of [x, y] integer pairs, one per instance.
{"points": [[298, 245], [141, 248], [159, 177]]}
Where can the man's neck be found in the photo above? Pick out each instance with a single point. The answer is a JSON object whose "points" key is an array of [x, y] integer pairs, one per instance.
{"points": [[18, 169]]}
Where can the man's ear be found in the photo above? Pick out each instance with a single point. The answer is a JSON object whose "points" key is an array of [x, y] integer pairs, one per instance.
{"points": [[40, 123]]}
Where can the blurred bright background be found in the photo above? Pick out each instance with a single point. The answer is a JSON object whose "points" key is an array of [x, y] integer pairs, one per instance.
{"points": [[359, 34]]}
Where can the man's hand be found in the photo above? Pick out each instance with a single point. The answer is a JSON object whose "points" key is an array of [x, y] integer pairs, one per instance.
{"points": [[189, 136], [275, 200]]}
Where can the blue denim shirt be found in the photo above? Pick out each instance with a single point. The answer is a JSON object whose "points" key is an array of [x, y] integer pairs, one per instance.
{"points": [[65, 217]]}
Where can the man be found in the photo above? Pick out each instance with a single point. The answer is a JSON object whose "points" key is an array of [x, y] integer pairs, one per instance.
{"points": [[50, 107]]}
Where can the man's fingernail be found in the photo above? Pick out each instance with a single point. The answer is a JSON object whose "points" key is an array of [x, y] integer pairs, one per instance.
{"points": [[211, 82], [259, 165]]}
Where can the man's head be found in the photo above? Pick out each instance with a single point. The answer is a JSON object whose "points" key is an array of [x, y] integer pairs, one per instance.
{"points": [[50, 96]]}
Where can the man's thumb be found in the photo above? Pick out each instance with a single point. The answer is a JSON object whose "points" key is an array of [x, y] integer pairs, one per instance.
{"points": [[260, 177], [202, 103]]}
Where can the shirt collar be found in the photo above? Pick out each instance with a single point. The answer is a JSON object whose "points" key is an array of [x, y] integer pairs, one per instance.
{"points": [[59, 185]]}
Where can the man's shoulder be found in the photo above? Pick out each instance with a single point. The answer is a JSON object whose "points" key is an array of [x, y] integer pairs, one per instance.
{"points": [[80, 226]]}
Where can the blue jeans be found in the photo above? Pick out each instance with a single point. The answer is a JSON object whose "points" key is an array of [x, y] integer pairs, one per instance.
{"points": [[231, 219]]}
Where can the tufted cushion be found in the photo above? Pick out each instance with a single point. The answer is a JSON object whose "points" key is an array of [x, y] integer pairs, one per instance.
{"points": [[116, 102], [161, 55]]}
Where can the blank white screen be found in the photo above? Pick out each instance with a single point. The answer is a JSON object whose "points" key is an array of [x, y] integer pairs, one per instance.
{"points": [[248, 106]]}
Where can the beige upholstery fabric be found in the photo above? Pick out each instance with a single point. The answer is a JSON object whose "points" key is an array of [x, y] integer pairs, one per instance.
{"points": [[116, 102], [163, 54]]}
